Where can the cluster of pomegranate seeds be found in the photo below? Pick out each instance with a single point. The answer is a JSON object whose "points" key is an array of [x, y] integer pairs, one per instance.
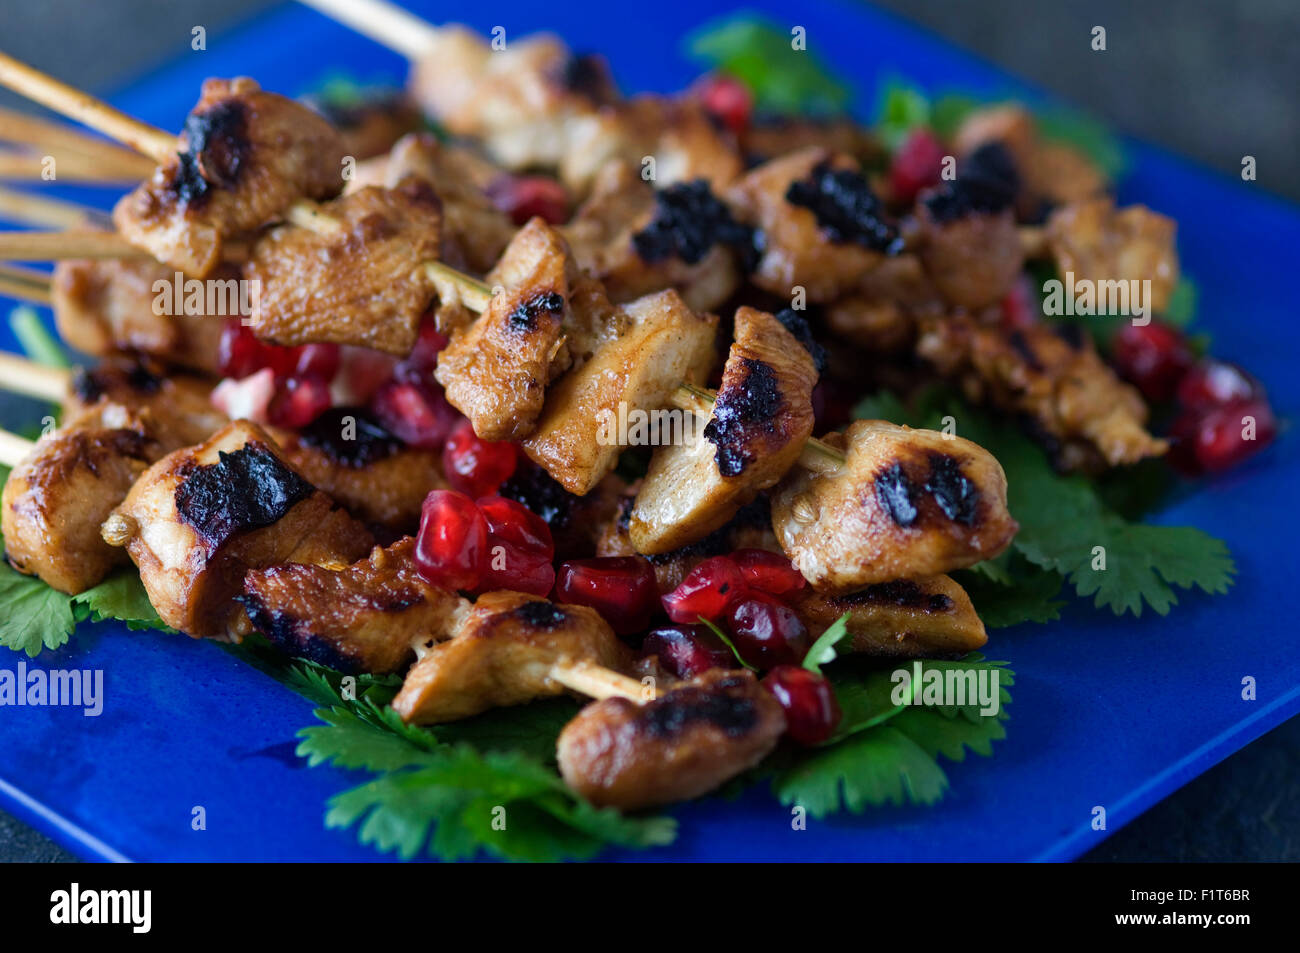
{"points": [[520, 548], [1224, 418], [301, 376], [524, 196], [452, 545], [620, 588], [298, 401], [492, 544], [811, 712], [916, 165], [727, 99], [476, 466], [766, 632], [687, 650], [1153, 357]]}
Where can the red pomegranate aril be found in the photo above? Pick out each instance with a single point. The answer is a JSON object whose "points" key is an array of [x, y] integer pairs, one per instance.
{"points": [[475, 466], [519, 570], [769, 572], [517, 525], [687, 650], [811, 711], [727, 99], [1217, 439], [361, 374], [707, 591], [1212, 383], [524, 196], [241, 353], [916, 165], [451, 547], [318, 361], [766, 632], [1153, 357], [419, 364], [1020, 307], [299, 401], [620, 588], [417, 413]]}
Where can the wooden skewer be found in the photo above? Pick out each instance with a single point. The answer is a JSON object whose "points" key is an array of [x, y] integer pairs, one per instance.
{"points": [[588, 678], [13, 448], [37, 133], [58, 246], [26, 284], [22, 376], [31, 209], [69, 168], [383, 22]]}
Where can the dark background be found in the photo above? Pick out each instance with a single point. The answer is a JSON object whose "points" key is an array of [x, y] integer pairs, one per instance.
{"points": [[1213, 79]]}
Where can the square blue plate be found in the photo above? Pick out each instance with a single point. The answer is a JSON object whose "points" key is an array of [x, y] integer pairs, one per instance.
{"points": [[1108, 712]]}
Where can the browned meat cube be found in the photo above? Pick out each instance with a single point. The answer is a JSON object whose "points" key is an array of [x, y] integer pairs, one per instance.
{"points": [[683, 744], [107, 307], [1100, 243], [974, 258], [660, 343], [761, 418], [361, 284], [502, 653], [200, 518], [244, 157], [906, 503], [370, 123], [56, 498], [175, 409], [768, 136], [366, 617], [912, 618], [496, 371]]}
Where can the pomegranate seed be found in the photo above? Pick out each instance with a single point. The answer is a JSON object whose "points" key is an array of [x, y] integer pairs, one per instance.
{"points": [[520, 548], [620, 588], [299, 401], [511, 568], [706, 592], [514, 523], [524, 196], [1214, 440], [475, 466], [1213, 383], [362, 373], [1021, 307], [916, 165], [767, 633], [419, 364], [687, 650], [417, 414], [247, 398], [451, 547], [811, 711], [240, 353], [1153, 357], [768, 572], [318, 361], [726, 99]]}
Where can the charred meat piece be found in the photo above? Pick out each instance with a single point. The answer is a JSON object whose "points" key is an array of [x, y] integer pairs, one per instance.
{"points": [[637, 240], [1113, 247], [913, 618], [496, 371], [366, 617], [107, 307], [175, 408], [369, 121], [362, 284], [349, 455], [56, 498], [244, 157], [683, 744], [658, 343], [822, 229], [761, 418], [474, 231], [1088, 417], [906, 503], [201, 517], [501, 653]]}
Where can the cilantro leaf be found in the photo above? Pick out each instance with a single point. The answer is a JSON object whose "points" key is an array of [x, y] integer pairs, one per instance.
{"points": [[760, 53], [35, 616], [900, 109], [1028, 593], [822, 652], [120, 597], [35, 338], [722, 637]]}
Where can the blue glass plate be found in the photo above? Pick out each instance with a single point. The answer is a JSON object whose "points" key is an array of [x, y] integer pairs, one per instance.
{"points": [[1108, 712]]}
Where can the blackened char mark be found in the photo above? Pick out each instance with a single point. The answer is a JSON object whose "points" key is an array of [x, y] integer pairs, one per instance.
{"points": [[797, 324], [88, 385], [217, 150], [670, 716], [845, 208], [956, 494], [987, 182], [739, 409], [1020, 345], [540, 492], [542, 615], [688, 221], [245, 490], [283, 629], [895, 493], [351, 437], [588, 75], [901, 592], [524, 318]]}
